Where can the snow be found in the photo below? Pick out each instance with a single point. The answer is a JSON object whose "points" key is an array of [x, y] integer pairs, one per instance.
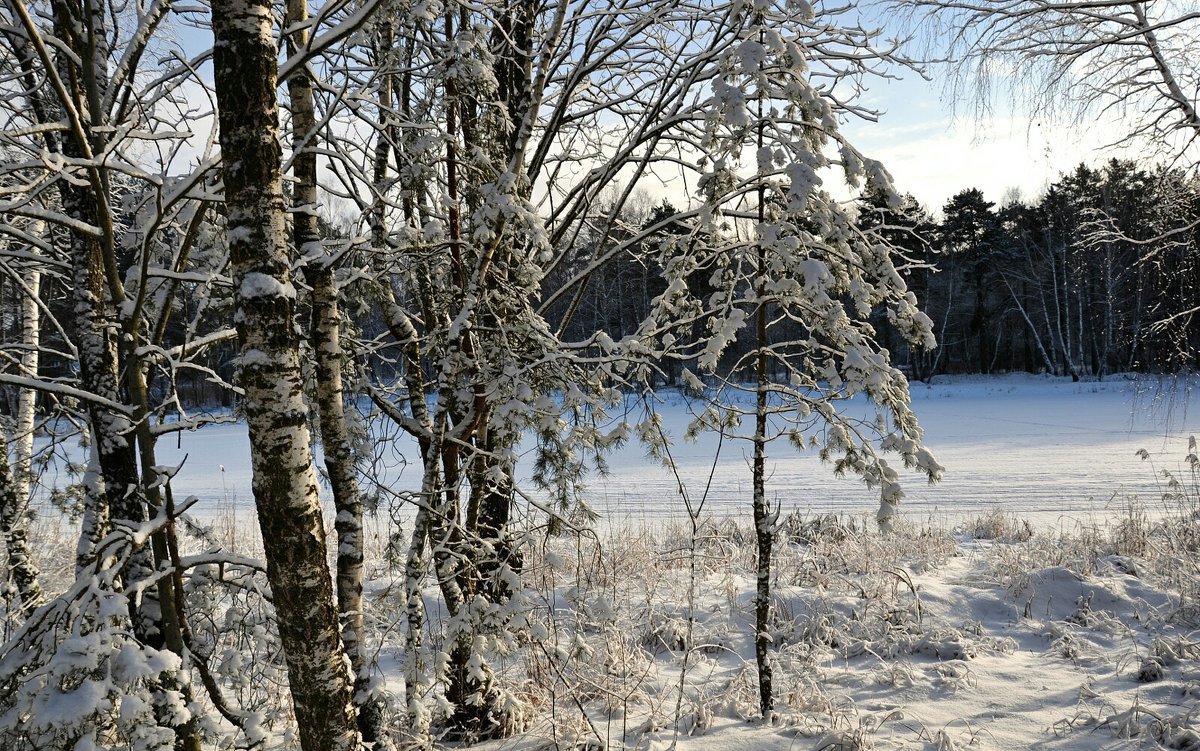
{"points": [[1055, 452], [994, 636], [1059, 634], [921, 641], [256, 284], [1048, 449], [255, 358]]}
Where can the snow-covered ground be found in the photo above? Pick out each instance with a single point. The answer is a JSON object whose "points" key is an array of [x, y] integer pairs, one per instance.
{"points": [[1076, 631], [967, 629], [922, 641], [1053, 451]]}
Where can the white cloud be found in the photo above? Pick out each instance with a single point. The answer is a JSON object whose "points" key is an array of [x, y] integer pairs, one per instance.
{"points": [[933, 154]]}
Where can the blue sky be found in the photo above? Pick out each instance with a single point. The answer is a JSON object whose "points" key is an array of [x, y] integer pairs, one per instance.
{"points": [[935, 147]]}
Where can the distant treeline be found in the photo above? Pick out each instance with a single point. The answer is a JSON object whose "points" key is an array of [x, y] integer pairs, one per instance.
{"points": [[1100, 274]]}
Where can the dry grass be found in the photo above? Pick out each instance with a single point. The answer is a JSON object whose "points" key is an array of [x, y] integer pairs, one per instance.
{"points": [[607, 651]]}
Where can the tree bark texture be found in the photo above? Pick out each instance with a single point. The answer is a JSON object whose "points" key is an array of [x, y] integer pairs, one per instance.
{"points": [[96, 290], [21, 571], [764, 522], [325, 337], [339, 465], [14, 491], [285, 481]]}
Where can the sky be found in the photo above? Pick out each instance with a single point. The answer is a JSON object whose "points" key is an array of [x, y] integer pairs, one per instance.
{"points": [[935, 147], [937, 142]]}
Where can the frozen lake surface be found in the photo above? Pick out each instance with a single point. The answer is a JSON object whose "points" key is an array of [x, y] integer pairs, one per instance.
{"points": [[1045, 448]]}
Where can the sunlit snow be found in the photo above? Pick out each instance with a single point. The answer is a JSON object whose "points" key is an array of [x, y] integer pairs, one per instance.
{"points": [[1048, 449]]}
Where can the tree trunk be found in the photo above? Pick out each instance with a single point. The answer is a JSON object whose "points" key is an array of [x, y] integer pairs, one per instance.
{"points": [[118, 493], [764, 527], [325, 337], [1031, 329], [14, 511], [764, 524], [13, 519], [12, 524], [285, 481], [112, 431], [347, 500]]}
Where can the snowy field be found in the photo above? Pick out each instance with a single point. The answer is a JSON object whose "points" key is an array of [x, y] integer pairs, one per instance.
{"points": [[1047, 449], [967, 629]]}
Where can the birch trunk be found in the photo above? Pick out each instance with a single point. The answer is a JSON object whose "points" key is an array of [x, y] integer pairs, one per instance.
{"points": [[112, 431], [1037, 337], [96, 287], [416, 674], [14, 512], [98, 294], [285, 481], [339, 464], [325, 336]]}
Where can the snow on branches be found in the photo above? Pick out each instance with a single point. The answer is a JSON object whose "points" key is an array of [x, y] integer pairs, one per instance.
{"points": [[772, 240]]}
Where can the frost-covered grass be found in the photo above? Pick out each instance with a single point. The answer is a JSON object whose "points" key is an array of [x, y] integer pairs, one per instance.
{"points": [[992, 635], [925, 639]]}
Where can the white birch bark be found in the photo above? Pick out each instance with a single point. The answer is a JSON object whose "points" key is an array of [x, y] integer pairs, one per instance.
{"points": [[1037, 337], [325, 336], [27, 399], [285, 481], [14, 513]]}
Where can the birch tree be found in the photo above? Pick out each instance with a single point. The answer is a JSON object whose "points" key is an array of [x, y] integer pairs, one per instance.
{"points": [[89, 198], [509, 125], [16, 482], [479, 142], [326, 344], [285, 481]]}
